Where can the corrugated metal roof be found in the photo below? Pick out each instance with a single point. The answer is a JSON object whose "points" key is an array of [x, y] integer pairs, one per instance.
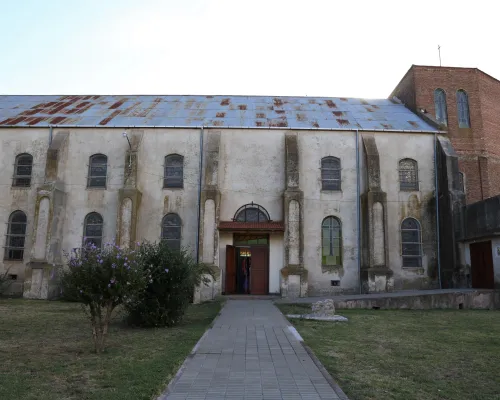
{"points": [[210, 111]]}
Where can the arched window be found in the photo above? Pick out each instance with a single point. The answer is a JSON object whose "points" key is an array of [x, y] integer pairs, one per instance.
{"points": [[330, 173], [171, 230], [98, 168], [463, 109], [16, 236], [92, 230], [174, 171], [440, 106], [408, 174], [251, 213], [331, 241], [461, 181], [22, 170], [411, 243]]}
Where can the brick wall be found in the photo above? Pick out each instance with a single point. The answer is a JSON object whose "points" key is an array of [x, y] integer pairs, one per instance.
{"points": [[478, 147]]}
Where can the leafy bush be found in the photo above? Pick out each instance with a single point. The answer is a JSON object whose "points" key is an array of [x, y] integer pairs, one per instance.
{"points": [[102, 280], [171, 279]]}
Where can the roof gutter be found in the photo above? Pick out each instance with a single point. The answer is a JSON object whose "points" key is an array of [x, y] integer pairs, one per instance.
{"points": [[279, 128]]}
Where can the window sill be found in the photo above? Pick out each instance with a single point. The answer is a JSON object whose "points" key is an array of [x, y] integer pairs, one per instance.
{"points": [[173, 188], [20, 187], [331, 191], [95, 188]]}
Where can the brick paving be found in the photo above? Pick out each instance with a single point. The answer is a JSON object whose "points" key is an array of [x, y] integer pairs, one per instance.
{"points": [[250, 353]]}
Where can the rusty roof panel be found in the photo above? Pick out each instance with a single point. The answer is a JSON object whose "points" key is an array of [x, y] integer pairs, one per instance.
{"points": [[234, 111]]}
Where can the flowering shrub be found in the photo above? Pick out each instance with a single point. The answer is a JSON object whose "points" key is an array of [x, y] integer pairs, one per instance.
{"points": [[102, 279], [172, 276]]}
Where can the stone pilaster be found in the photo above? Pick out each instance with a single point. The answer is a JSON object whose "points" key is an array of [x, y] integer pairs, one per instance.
{"points": [[294, 277], [41, 276], [376, 276], [208, 239]]}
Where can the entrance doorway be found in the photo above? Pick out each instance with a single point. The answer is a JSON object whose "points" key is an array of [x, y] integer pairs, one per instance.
{"points": [[247, 265], [481, 259]]}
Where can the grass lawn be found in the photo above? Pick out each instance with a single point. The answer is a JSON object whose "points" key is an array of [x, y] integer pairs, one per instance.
{"points": [[46, 353], [403, 354]]}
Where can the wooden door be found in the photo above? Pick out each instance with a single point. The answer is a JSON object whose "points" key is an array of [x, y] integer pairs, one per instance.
{"points": [[481, 259], [230, 269], [259, 272]]}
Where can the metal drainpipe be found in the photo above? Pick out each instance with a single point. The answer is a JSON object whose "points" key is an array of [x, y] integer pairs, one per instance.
{"points": [[437, 210], [199, 198], [358, 213]]}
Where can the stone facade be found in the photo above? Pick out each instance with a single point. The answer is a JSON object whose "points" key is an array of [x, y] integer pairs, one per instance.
{"points": [[279, 169]]}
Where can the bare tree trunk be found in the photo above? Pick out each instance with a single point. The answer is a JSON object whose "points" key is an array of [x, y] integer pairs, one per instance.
{"points": [[95, 334], [107, 318]]}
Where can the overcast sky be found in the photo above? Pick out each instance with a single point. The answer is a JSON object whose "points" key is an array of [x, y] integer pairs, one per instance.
{"points": [[267, 47]]}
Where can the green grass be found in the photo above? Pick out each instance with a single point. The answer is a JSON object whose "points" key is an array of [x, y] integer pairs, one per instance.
{"points": [[403, 354], [46, 352]]}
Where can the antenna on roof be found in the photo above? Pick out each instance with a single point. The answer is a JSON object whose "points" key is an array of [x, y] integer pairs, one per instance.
{"points": [[439, 51]]}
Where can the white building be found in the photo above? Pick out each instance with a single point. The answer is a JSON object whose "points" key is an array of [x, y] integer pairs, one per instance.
{"points": [[307, 196]]}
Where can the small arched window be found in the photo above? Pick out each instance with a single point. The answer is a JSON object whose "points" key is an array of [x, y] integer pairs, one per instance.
{"points": [[408, 174], [440, 106], [251, 213], [22, 170], [330, 173], [411, 243], [98, 168], [331, 241], [92, 230], [463, 109], [16, 236], [174, 171], [171, 230], [461, 181]]}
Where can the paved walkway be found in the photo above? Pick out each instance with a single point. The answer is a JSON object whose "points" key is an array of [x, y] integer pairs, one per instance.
{"points": [[250, 353]]}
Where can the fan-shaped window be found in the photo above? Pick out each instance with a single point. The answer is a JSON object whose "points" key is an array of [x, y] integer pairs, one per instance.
{"points": [[331, 241], [330, 173], [98, 168], [16, 236], [408, 174], [171, 231], [92, 231], [251, 213], [463, 109], [411, 243], [22, 170], [174, 171], [440, 106]]}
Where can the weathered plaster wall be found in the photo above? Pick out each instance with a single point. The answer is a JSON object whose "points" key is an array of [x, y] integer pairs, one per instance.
{"points": [[224, 239], [420, 204], [156, 201], [318, 204], [275, 261], [252, 168], [12, 143]]}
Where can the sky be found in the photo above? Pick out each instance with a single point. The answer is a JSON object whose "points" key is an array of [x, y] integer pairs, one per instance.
{"points": [[259, 47]]}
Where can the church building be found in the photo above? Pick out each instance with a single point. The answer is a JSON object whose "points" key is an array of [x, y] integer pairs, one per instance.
{"points": [[293, 196]]}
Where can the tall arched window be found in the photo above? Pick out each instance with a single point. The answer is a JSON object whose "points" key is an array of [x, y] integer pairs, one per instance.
{"points": [[461, 181], [331, 241], [92, 230], [330, 173], [411, 243], [251, 213], [171, 230], [22, 170], [174, 171], [440, 106], [98, 168], [16, 236], [463, 109], [408, 174]]}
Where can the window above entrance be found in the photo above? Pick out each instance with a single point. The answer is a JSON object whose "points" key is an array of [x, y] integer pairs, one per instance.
{"points": [[251, 213]]}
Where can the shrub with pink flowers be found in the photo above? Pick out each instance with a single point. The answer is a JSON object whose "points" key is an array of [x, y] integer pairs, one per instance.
{"points": [[103, 279]]}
